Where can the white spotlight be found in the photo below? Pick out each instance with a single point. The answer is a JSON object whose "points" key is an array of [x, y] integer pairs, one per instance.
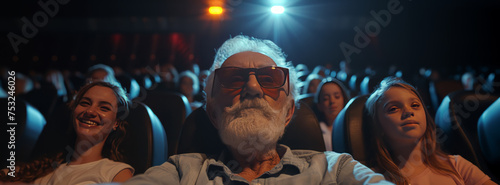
{"points": [[277, 9]]}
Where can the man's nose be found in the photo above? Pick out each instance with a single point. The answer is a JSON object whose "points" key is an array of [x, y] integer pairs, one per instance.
{"points": [[252, 88]]}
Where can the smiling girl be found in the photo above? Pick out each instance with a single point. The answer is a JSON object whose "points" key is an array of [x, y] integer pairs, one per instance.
{"points": [[97, 133], [403, 141]]}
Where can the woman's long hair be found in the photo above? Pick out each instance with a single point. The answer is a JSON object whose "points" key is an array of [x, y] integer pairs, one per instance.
{"points": [[28, 172], [381, 159]]}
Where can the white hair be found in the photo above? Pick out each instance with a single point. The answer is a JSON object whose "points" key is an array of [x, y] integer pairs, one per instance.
{"points": [[242, 43]]}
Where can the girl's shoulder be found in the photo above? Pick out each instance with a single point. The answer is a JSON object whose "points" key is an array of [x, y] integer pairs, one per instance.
{"points": [[469, 172], [458, 161]]}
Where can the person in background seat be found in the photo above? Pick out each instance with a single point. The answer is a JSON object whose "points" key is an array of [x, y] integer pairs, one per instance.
{"points": [[189, 86], [331, 97], [311, 83], [101, 72]]}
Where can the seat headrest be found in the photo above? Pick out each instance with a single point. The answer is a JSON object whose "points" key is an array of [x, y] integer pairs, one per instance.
{"points": [[172, 109], [44, 98], [303, 131], [307, 99], [457, 118], [438, 90], [129, 84], [27, 125], [348, 131], [145, 143], [488, 129], [368, 84], [198, 135], [463, 108]]}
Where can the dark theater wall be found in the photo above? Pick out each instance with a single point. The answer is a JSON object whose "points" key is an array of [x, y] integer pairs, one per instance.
{"points": [[419, 33]]}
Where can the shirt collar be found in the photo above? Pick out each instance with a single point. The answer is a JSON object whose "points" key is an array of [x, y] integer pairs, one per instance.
{"points": [[292, 160], [289, 163]]}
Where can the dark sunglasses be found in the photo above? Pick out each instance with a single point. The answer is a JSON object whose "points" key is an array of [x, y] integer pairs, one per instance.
{"points": [[235, 77]]}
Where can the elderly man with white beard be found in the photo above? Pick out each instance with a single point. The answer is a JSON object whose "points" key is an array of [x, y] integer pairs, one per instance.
{"points": [[251, 96]]}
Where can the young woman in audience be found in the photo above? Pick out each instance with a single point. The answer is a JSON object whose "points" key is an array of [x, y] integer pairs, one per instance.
{"points": [[189, 86], [403, 140], [331, 97], [96, 135]]}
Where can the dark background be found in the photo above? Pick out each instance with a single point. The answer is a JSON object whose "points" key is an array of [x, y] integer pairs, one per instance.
{"points": [[433, 34]]}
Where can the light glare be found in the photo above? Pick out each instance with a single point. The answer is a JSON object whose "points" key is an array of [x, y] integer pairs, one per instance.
{"points": [[277, 9], [215, 10]]}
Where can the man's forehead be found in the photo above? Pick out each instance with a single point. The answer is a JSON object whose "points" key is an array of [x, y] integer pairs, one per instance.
{"points": [[248, 59]]}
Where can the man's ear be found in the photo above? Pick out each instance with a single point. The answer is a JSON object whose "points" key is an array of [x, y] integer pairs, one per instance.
{"points": [[290, 112]]}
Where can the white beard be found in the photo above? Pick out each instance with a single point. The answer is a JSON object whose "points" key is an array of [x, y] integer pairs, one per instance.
{"points": [[252, 127]]}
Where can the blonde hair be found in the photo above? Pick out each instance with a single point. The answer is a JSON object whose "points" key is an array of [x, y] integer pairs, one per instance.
{"points": [[381, 158]]}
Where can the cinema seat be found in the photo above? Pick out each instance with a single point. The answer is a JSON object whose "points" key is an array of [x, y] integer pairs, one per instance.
{"points": [[488, 131], [349, 133], [457, 118], [172, 109], [24, 135], [145, 144]]}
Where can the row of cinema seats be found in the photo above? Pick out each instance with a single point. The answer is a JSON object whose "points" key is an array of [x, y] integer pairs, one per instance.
{"points": [[167, 105], [155, 121], [160, 124], [467, 124], [458, 117], [432, 89], [145, 140]]}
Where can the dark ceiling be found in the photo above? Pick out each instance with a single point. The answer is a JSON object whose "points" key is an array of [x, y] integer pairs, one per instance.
{"points": [[423, 33]]}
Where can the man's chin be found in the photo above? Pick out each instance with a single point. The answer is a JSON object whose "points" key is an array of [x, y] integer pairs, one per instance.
{"points": [[255, 142], [250, 146]]}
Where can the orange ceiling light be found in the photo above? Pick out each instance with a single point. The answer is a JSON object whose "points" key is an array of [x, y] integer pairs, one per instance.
{"points": [[215, 10]]}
